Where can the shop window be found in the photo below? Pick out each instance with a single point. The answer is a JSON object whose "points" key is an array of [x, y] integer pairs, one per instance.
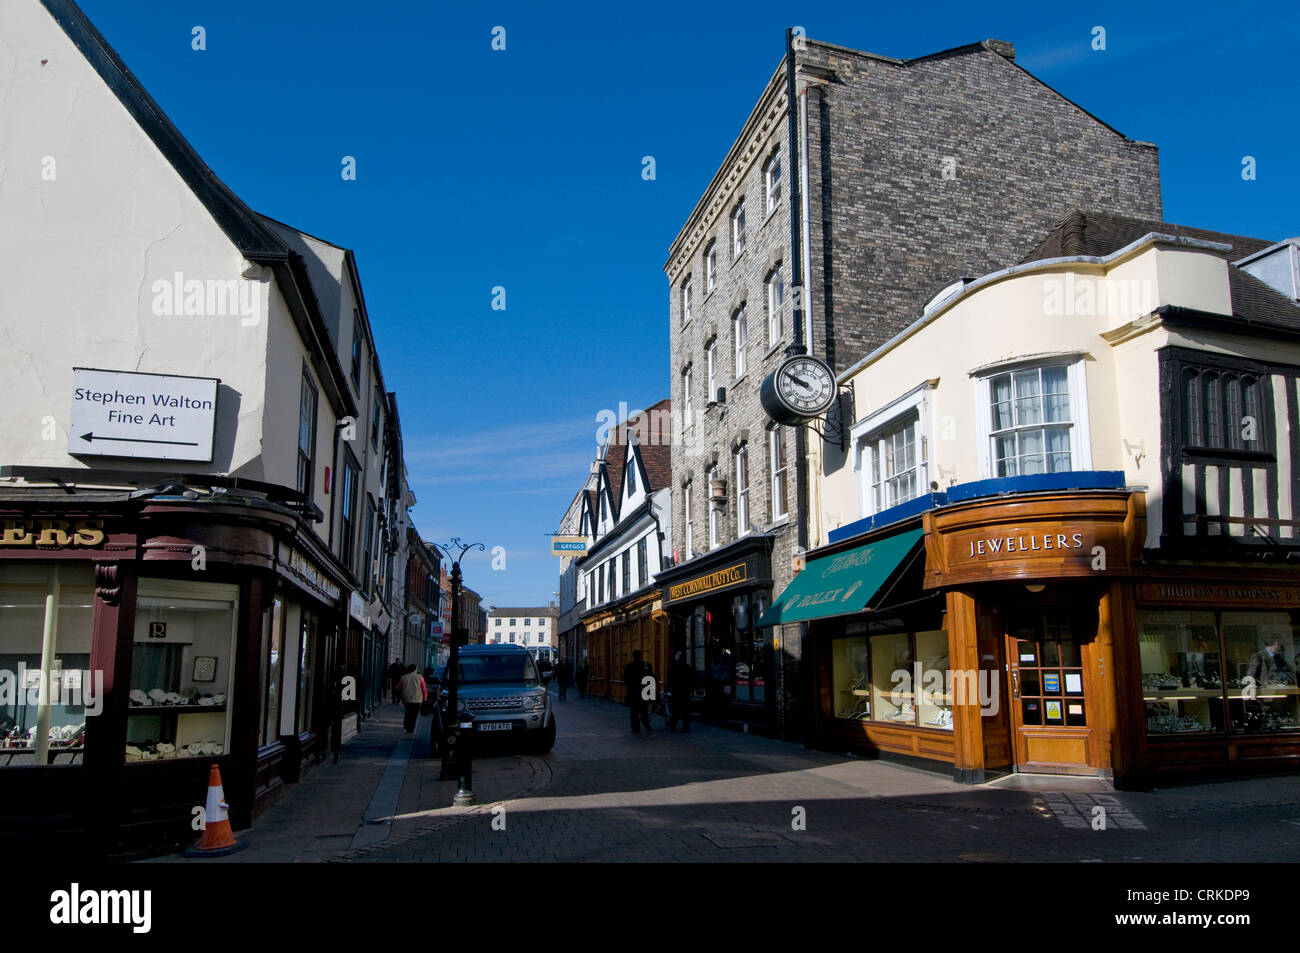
{"points": [[1198, 665], [29, 679], [751, 658], [272, 668], [306, 669], [181, 670], [1182, 681], [1262, 657], [893, 698], [899, 678]]}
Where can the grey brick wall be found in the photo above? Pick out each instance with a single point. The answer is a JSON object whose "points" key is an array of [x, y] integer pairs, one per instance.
{"points": [[888, 229]]}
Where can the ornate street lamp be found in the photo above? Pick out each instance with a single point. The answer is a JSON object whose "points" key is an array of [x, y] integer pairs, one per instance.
{"points": [[456, 756]]}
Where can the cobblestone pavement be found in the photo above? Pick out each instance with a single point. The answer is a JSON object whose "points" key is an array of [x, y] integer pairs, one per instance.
{"points": [[604, 794]]}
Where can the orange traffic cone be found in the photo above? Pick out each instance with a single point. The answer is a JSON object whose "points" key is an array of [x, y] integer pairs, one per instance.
{"points": [[217, 838]]}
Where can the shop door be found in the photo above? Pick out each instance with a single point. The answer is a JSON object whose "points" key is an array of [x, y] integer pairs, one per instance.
{"points": [[1048, 649]]}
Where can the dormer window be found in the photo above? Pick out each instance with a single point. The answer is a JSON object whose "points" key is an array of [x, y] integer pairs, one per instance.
{"points": [[631, 476]]}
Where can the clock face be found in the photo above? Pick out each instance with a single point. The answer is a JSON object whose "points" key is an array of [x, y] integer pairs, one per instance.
{"points": [[805, 385]]}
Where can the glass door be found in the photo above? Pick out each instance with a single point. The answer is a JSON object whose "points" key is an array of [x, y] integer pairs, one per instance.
{"points": [[1047, 648]]}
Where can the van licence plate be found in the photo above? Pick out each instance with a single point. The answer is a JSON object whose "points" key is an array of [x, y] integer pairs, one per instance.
{"points": [[494, 726]]}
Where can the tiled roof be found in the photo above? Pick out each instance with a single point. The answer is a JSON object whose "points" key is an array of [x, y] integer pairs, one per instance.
{"points": [[1096, 234]]}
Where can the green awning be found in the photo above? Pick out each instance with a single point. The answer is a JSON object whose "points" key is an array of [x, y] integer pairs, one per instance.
{"points": [[841, 584]]}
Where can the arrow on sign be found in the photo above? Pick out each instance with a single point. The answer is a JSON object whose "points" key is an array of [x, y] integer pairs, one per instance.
{"points": [[90, 438]]}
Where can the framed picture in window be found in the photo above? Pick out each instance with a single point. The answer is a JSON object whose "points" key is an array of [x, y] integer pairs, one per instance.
{"points": [[205, 668]]}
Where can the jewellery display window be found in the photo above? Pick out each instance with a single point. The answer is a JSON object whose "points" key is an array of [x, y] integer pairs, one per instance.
{"points": [[849, 672], [182, 669], [1261, 653], [899, 678], [1215, 671], [57, 672], [893, 695], [934, 693], [1182, 681]]}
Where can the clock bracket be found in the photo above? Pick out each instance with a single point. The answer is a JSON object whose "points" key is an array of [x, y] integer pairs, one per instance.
{"points": [[834, 427]]}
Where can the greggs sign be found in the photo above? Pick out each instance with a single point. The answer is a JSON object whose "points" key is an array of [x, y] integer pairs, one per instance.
{"points": [[51, 532]]}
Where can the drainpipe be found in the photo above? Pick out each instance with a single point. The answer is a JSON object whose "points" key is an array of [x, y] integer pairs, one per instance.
{"points": [[793, 150]]}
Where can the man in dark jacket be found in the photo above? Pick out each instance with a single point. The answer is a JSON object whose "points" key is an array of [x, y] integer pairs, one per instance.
{"points": [[564, 675], [634, 675], [681, 686]]}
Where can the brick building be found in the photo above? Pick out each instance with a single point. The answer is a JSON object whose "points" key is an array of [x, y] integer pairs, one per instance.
{"points": [[948, 164], [422, 603]]}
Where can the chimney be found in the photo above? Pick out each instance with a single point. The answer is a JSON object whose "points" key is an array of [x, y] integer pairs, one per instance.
{"points": [[1002, 48]]}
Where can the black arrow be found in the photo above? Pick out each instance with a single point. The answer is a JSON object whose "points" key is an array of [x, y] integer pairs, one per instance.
{"points": [[90, 438]]}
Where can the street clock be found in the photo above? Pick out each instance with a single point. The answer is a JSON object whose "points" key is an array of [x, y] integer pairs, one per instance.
{"points": [[801, 387]]}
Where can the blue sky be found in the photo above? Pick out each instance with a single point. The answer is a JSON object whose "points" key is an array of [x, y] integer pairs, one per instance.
{"points": [[478, 168]]}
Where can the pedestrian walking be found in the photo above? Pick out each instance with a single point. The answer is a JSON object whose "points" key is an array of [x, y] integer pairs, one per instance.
{"points": [[583, 675], [395, 673], [564, 675], [681, 687], [414, 692], [634, 675]]}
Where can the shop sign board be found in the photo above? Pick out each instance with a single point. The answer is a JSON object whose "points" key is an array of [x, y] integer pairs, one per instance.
{"points": [[568, 545], [307, 570], [707, 584], [357, 609], [1189, 592], [144, 416], [1038, 539]]}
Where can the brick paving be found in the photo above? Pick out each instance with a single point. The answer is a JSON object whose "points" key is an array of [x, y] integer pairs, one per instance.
{"points": [[604, 794]]}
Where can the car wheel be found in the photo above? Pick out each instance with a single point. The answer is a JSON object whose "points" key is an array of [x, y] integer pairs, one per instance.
{"points": [[546, 741]]}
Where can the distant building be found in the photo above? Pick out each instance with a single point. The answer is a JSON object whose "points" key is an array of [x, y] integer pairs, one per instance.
{"points": [[533, 627]]}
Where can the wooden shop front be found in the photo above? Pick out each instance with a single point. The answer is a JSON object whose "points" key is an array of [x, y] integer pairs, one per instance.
{"points": [[612, 635], [180, 634], [995, 646]]}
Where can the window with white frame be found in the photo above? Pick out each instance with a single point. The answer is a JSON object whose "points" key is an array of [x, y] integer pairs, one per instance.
{"points": [[690, 533], [778, 467], [715, 515], [711, 369], [895, 463], [1034, 420], [710, 267], [890, 452], [772, 182], [740, 332], [687, 408], [686, 300], [775, 305], [738, 231], [742, 490]]}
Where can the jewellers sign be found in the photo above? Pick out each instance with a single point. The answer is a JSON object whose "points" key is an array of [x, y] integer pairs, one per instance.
{"points": [[146, 416]]}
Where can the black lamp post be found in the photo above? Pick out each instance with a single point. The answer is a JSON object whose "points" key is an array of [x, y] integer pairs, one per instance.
{"points": [[456, 756]]}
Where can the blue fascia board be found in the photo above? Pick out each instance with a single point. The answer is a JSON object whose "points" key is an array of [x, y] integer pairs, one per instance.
{"points": [[894, 514], [999, 486], [1038, 483]]}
